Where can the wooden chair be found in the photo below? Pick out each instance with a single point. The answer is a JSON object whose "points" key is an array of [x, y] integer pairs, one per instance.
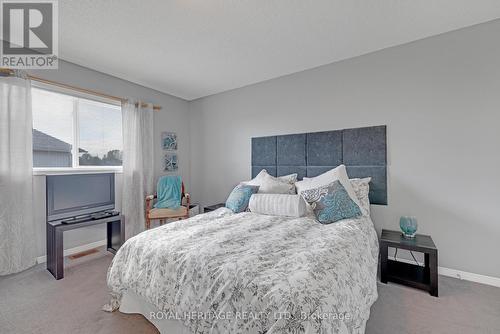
{"points": [[163, 214]]}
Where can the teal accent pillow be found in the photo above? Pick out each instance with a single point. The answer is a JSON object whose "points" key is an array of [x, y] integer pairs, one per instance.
{"points": [[240, 196], [331, 203]]}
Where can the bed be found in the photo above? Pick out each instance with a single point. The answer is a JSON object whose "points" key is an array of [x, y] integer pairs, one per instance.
{"points": [[222, 272], [225, 272]]}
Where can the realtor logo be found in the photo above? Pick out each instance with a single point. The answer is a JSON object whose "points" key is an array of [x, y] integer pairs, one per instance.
{"points": [[29, 32]]}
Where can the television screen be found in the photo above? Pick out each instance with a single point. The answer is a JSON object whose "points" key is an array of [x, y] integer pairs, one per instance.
{"points": [[79, 194]]}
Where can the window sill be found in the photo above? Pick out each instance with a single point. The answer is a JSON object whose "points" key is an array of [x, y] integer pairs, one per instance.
{"points": [[80, 170]]}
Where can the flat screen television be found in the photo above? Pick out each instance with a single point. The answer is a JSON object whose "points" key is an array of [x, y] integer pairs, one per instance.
{"points": [[79, 195]]}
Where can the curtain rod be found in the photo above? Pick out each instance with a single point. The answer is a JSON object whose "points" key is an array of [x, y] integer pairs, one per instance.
{"points": [[78, 89]]}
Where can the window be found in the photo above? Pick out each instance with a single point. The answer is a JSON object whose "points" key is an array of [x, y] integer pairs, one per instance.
{"points": [[99, 134], [75, 132]]}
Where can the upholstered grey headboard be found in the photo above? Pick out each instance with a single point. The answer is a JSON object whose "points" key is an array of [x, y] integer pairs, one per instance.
{"points": [[362, 150]]}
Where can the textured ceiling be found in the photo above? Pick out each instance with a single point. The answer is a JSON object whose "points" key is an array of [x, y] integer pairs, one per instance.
{"points": [[195, 48]]}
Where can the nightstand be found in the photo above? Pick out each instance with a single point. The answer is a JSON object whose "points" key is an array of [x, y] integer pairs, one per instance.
{"points": [[417, 276], [213, 207]]}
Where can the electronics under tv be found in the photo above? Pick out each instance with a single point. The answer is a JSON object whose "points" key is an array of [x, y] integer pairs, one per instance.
{"points": [[80, 197]]}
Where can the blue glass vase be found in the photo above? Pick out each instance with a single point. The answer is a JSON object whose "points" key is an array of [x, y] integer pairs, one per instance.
{"points": [[409, 226]]}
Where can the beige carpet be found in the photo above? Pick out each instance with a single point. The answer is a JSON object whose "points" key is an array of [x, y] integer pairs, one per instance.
{"points": [[34, 302]]}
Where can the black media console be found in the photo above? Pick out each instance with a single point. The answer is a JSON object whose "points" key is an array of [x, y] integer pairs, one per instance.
{"points": [[93, 216], [55, 249]]}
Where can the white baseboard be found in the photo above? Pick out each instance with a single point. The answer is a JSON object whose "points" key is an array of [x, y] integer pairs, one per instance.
{"points": [[75, 250], [488, 280], [463, 275]]}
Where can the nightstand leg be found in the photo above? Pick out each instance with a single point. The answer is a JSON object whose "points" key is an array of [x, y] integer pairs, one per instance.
{"points": [[384, 253], [433, 259]]}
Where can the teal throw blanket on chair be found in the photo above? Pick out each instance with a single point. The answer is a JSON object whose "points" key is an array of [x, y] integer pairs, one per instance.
{"points": [[169, 192]]}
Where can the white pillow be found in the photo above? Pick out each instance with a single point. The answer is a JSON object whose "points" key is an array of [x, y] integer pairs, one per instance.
{"points": [[258, 176], [278, 205], [362, 189], [290, 178], [338, 173], [269, 184]]}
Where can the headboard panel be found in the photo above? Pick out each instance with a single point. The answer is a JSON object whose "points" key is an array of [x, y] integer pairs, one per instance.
{"points": [[362, 150]]}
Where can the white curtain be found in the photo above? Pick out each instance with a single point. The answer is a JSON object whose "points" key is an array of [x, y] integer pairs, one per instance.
{"points": [[17, 242], [138, 165]]}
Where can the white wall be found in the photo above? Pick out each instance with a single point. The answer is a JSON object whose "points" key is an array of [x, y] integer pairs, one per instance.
{"points": [[172, 117], [439, 97]]}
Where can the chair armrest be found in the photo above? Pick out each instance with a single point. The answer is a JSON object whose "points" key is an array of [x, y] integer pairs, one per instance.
{"points": [[188, 200], [150, 197]]}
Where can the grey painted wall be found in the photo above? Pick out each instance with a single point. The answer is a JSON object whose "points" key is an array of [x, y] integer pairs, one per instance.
{"points": [[439, 97], [172, 117]]}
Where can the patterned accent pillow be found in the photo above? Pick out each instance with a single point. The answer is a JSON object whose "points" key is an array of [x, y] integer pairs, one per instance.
{"points": [[240, 196], [362, 189], [331, 203]]}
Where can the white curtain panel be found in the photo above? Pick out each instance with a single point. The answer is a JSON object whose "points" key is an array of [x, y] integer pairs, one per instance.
{"points": [[138, 165], [17, 242]]}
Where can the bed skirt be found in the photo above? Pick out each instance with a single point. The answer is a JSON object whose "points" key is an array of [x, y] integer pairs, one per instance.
{"points": [[131, 303]]}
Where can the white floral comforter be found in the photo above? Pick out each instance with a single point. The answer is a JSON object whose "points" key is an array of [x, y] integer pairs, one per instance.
{"points": [[251, 273]]}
